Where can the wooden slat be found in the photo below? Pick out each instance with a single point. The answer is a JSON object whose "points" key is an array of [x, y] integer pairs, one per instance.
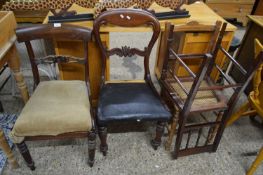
{"points": [[179, 82], [198, 137], [195, 150], [239, 67], [201, 125], [183, 63]]}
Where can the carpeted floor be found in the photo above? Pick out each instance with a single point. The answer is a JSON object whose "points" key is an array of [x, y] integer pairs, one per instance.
{"points": [[6, 123], [130, 152]]}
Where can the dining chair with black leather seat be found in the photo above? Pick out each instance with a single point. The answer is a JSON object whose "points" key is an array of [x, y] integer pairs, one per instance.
{"points": [[57, 109], [129, 100]]}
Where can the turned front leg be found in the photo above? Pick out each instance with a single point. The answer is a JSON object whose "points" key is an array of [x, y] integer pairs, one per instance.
{"points": [[26, 155], [156, 142]]}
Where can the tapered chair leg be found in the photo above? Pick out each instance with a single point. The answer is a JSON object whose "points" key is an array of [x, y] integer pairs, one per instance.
{"points": [[26, 155], [92, 147], [156, 142], [103, 140], [245, 107], [256, 163], [213, 133], [171, 132]]}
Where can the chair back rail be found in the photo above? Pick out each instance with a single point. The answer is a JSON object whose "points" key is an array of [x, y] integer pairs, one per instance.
{"points": [[127, 18], [49, 31]]}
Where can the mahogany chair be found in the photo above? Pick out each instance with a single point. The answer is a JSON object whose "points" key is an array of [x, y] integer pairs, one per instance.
{"points": [[128, 101], [57, 109], [197, 96]]}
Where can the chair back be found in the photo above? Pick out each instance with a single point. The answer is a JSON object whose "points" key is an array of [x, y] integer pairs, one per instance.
{"points": [[50, 31], [127, 18]]}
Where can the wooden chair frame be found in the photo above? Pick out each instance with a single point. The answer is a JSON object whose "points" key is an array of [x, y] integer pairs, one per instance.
{"points": [[222, 110], [252, 106], [128, 18], [48, 31]]}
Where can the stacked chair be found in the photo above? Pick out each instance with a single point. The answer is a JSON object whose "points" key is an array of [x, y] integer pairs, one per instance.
{"points": [[57, 109], [196, 94]]}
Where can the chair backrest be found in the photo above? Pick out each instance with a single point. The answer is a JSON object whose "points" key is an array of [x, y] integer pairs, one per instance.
{"points": [[257, 78], [50, 31], [127, 18]]}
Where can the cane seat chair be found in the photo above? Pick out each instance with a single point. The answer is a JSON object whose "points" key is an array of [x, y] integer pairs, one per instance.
{"points": [[128, 101], [57, 109], [198, 95]]}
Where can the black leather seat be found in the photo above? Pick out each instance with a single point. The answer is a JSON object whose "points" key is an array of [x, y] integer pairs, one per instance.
{"points": [[129, 102]]}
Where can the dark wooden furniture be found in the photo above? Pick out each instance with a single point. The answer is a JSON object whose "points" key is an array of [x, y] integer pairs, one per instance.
{"points": [[197, 95], [128, 101], [57, 109], [257, 8], [245, 54]]}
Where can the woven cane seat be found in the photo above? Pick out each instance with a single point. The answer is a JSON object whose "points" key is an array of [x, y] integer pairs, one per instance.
{"points": [[203, 99]]}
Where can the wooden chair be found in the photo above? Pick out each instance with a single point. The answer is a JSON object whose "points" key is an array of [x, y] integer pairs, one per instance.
{"points": [[195, 94], [128, 101], [57, 109], [254, 105]]}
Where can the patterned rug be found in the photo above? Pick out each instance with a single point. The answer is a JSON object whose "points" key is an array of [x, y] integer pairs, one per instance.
{"points": [[6, 123]]}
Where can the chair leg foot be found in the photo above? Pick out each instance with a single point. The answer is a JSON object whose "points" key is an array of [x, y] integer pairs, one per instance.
{"points": [[91, 147], [172, 132], [26, 155], [103, 140], [156, 142]]}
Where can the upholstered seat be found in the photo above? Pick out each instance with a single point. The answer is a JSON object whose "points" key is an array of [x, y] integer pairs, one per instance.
{"points": [[55, 107], [130, 101]]}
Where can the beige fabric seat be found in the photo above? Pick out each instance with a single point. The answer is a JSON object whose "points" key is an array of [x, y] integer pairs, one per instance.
{"points": [[55, 107]]}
